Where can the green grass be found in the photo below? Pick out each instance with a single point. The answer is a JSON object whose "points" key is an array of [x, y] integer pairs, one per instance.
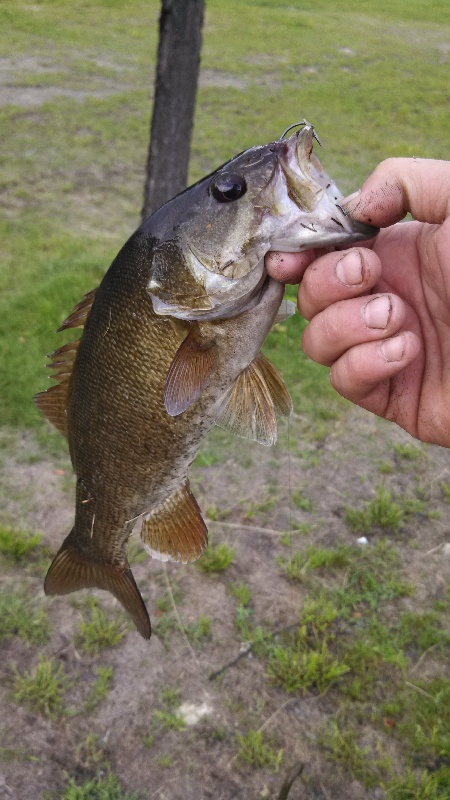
{"points": [[100, 688], [97, 632], [67, 220], [216, 559], [17, 545], [42, 688], [101, 788], [258, 750], [19, 616]]}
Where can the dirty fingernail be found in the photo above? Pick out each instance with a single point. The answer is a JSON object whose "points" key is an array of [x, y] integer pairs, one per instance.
{"points": [[377, 312], [349, 199], [349, 268], [393, 349]]}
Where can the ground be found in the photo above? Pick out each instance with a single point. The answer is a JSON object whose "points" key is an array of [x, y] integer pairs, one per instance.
{"points": [[314, 636], [304, 492]]}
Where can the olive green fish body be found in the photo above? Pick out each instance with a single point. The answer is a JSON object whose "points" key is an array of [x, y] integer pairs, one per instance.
{"points": [[170, 346]]}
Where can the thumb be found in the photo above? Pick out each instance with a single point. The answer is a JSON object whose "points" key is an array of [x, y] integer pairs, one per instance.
{"points": [[398, 185]]}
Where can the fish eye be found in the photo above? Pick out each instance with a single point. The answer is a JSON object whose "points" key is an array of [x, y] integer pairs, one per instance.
{"points": [[228, 186]]}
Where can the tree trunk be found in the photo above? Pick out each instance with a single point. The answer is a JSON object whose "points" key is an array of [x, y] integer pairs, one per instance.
{"points": [[180, 38]]}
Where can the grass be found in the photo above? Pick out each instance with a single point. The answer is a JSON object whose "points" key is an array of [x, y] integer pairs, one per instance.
{"points": [[42, 688], [100, 788], [20, 617], [257, 749], [17, 545], [166, 718], [373, 79], [216, 559], [314, 70], [97, 632]]}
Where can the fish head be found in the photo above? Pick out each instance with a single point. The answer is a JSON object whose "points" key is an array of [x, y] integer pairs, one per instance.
{"points": [[209, 260]]}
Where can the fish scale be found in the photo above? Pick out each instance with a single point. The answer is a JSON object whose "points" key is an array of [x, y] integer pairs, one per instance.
{"points": [[171, 346]]}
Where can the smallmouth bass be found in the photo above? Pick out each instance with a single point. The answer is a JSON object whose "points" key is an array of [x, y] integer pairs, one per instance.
{"points": [[170, 346]]}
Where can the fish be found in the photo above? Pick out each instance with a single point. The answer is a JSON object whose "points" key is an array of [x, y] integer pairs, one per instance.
{"points": [[171, 345]]}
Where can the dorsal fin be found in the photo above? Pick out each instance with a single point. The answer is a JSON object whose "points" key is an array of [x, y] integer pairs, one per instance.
{"points": [[190, 372], [80, 313], [175, 531], [69, 571], [249, 407], [54, 401]]}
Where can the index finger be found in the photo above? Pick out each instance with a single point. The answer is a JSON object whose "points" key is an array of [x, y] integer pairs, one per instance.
{"points": [[398, 185]]}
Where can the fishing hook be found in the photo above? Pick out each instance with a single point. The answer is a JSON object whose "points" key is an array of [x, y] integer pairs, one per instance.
{"points": [[302, 123]]}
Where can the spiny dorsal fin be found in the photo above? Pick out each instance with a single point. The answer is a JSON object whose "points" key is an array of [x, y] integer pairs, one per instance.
{"points": [[249, 407], [80, 313], [190, 372], [175, 531], [69, 572], [54, 402]]}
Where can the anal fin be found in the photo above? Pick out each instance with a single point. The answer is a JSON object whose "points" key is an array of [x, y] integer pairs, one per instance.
{"points": [[175, 530], [250, 405], [69, 572]]}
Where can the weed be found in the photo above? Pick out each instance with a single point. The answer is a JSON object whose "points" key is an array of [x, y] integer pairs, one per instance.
{"points": [[315, 558], [386, 468], [429, 786], [217, 558], [258, 750], [165, 718], [18, 617], [16, 545], [98, 633], [298, 669], [199, 631], [422, 713], [171, 698], [101, 788], [100, 688], [422, 631], [446, 491], [340, 746], [407, 452], [41, 690], [165, 761], [241, 592], [370, 579], [300, 501], [381, 512]]}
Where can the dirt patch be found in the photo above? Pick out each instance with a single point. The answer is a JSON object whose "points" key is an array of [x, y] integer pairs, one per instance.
{"points": [[249, 490]]}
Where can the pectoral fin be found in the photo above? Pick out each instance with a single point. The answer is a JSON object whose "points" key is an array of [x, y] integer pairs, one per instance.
{"points": [[189, 373], [175, 531], [250, 405]]}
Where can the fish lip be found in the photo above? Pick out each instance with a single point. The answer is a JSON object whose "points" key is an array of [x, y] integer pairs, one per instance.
{"points": [[324, 220]]}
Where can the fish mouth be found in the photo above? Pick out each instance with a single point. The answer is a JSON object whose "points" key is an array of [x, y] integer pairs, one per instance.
{"points": [[308, 199]]}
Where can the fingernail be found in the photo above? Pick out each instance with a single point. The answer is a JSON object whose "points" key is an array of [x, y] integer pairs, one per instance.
{"points": [[393, 349], [350, 198], [377, 312], [349, 268]]}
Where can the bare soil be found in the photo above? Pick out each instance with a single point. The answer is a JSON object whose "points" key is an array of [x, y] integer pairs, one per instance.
{"points": [[200, 762]]}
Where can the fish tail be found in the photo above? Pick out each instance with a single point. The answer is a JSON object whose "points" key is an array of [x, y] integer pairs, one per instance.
{"points": [[70, 571]]}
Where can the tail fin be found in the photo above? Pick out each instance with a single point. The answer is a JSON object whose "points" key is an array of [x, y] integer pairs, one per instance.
{"points": [[69, 571]]}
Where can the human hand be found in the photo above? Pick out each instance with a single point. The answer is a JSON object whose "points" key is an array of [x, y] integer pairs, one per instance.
{"points": [[379, 315]]}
